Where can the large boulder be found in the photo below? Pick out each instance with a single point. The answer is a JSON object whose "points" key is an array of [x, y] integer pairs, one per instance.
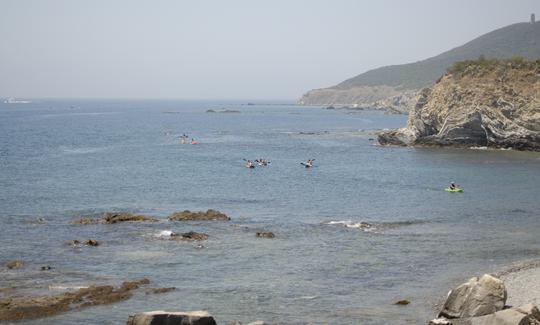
{"points": [[477, 297], [172, 318], [524, 315], [187, 215]]}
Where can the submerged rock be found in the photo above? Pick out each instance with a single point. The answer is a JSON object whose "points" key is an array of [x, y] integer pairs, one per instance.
{"points": [[86, 221], [477, 297], [403, 302], [15, 264], [172, 318], [265, 234], [19, 308], [189, 236], [187, 215], [155, 291]]}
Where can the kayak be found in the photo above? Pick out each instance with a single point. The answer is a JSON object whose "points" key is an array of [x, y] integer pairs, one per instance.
{"points": [[456, 190]]}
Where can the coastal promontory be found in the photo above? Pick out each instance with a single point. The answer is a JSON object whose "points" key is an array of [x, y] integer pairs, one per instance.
{"points": [[481, 103]]}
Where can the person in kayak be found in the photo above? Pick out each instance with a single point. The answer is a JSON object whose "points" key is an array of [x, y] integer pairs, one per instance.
{"points": [[249, 164], [308, 163], [453, 186], [193, 141]]}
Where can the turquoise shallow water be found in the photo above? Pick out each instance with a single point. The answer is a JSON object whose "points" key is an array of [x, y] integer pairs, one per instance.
{"points": [[64, 159]]}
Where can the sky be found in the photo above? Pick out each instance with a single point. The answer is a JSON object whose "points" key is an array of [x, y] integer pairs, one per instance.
{"points": [[234, 49]]}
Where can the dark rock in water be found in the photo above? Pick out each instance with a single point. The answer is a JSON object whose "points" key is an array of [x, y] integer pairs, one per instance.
{"points": [[198, 216], [155, 291], [403, 302], [330, 107], [74, 242], [46, 268], [91, 242], [172, 318], [210, 111], [190, 236], [477, 297], [86, 221], [265, 234], [19, 308], [15, 265], [111, 218]]}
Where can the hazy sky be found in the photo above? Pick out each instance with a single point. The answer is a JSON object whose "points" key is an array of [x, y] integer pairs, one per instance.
{"points": [[234, 49]]}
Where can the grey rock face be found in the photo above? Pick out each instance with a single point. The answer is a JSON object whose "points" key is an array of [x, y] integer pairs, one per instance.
{"points": [[477, 297], [496, 107], [171, 318]]}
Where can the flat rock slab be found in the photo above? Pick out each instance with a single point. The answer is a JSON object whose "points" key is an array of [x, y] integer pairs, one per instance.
{"points": [[172, 318]]}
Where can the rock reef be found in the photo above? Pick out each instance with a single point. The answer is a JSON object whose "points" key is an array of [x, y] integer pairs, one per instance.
{"points": [[487, 103], [19, 308], [210, 215]]}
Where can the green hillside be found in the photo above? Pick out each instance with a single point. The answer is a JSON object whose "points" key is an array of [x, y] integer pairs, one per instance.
{"points": [[521, 39]]}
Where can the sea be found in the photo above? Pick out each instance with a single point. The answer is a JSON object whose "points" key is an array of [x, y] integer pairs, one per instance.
{"points": [[367, 226]]}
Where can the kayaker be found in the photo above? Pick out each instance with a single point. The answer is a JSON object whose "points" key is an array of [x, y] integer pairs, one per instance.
{"points": [[249, 164], [453, 186], [193, 141]]}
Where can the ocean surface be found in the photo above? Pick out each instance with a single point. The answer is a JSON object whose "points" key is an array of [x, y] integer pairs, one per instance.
{"points": [[63, 159]]}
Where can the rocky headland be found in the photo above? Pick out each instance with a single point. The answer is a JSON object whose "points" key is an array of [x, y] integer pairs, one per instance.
{"points": [[482, 103]]}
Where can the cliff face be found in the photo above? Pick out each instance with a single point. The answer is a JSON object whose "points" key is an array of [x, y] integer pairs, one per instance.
{"points": [[376, 97], [494, 103]]}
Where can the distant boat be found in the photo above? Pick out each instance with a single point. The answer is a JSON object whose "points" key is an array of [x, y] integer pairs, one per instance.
{"points": [[12, 100]]}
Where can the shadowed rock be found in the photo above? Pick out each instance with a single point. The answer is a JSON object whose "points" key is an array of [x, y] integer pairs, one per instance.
{"points": [[86, 221], [265, 234], [198, 216], [172, 318], [190, 236], [19, 308], [477, 297]]}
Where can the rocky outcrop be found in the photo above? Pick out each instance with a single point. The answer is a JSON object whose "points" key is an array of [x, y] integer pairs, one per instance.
{"points": [[524, 315], [112, 218], [492, 103], [198, 216], [19, 308], [482, 301], [477, 297], [172, 318], [373, 97]]}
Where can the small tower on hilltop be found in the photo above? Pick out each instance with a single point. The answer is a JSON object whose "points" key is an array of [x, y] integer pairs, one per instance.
{"points": [[533, 19]]}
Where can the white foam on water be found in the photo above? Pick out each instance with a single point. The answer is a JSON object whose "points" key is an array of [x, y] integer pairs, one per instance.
{"points": [[350, 224], [164, 234], [64, 288]]}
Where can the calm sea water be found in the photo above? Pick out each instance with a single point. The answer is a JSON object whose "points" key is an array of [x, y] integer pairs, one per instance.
{"points": [[63, 159]]}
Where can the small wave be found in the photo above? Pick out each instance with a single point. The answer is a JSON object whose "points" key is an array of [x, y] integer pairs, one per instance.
{"points": [[374, 227], [350, 224], [164, 234], [64, 288], [81, 150]]}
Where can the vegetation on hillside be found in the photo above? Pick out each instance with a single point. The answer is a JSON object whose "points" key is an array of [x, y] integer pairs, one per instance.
{"points": [[521, 39], [483, 66]]}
